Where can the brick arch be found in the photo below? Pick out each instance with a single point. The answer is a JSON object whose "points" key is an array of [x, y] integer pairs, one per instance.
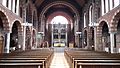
{"points": [[101, 23], [5, 22], [100, 26], [60, 3], [115, 20], [19, 26], [99, 34]]}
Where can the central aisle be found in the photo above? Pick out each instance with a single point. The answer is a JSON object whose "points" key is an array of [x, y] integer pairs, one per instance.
{"points": [[59, 60]]}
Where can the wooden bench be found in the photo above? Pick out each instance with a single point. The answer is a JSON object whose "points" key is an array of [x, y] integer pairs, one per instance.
{"points": [[40, 58], [79, 58]]}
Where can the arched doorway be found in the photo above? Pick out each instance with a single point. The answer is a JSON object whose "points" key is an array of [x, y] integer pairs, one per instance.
{"points": [[33, 39], [85, 39], [4, 32], [14, 37], [92, 37], [117, 38], [105, 37]]}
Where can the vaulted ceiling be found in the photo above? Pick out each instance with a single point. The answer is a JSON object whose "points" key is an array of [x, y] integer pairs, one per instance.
{"points": [[39, 2]]}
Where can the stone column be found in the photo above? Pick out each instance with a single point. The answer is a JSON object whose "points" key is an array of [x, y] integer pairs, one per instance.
{"points": [[17, 7], [89, 40], [43, 28], [77, 40], [99, 40], [7, 46], [52, 37], [80, 41], [24, 36], [4, 2], [99, 46], [66, 35], [35, 40], [95, 38], [31, 38], [75, 30], [13, 7], [24, 29], [112, 40]]}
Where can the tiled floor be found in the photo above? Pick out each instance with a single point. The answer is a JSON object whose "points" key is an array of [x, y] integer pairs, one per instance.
{"points": [[59, 60]]}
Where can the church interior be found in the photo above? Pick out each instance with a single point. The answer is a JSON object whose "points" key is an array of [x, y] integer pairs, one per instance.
{"points": [[59, 33]]}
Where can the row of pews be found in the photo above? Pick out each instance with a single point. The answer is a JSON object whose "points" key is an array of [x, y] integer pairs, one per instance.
{"points": [[80, 58], [38, 58]]}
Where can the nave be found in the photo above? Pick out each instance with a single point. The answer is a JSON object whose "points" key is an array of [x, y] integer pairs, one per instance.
{"points": [[33, 33]]}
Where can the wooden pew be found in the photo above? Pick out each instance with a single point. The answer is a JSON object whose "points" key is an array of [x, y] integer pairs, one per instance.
{"points": [[79, 58], [40, 58]]}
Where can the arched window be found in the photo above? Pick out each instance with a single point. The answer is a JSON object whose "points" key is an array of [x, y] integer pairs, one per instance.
{"points": [[7, 3], [104, 6], [21, 12], [85, 20], [15, 6], [116, 2], [27, 10], [59, 19], [26, 1], [34, 19], [108, 5], [113, 4], [90, 15], [99, 12], [11, 4]]}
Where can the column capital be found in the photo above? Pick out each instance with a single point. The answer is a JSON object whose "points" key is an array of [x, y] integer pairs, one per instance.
{"points": [[6, 32], [112, 32]]}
